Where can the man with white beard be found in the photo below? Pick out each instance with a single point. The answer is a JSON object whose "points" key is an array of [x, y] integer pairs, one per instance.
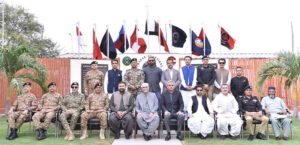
{"points": [[226, 106], [276, 109]]}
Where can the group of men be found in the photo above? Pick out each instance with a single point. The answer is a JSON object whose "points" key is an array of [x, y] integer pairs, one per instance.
{"points": [[200, 94]]}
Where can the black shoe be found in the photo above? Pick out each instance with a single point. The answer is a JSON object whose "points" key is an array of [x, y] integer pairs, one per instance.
{"points": [[179, 136], [233, 137], [14, 134], [277, 138], [260, 136], [146, 137], [41, 135], [168, 137], [223, 137], [285, 138], [11, 132], [149, 137], [251, 137], [127, 136], [117, 135]]}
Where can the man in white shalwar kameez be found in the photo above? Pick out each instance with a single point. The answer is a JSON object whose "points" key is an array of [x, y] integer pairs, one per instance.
{"points": [[201, 118], [226, 106]]}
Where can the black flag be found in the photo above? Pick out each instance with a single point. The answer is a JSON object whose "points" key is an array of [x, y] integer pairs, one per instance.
{"points": [[103, 46], [178, 37]]}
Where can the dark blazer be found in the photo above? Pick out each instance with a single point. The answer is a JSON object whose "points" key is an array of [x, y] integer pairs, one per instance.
{"points": [[175, 105]]}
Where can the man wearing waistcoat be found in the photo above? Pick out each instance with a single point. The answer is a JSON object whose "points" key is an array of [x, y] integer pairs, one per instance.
{"points": [[188, 76], [121, 106], [223, 76], [200, 112], [113, 77]]}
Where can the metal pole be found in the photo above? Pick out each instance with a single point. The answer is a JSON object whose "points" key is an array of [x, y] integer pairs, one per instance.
{"points": [[3, 5], [71, 42], [292, 37], [124, 35], [107, 38], [147, 22]]}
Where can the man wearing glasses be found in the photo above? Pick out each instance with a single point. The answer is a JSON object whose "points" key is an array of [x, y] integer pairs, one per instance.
{"points": [[71, 106], [223, 76], [200, 112], [206, 76]]}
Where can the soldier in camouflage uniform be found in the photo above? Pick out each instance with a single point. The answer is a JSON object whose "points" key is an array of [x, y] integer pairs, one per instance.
{"points": [[71, 106], [48, 105], [20, 110], [91, 78], [96, 106], [134, 78]]}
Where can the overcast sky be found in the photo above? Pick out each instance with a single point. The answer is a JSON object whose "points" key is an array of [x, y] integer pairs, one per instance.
{"points": [[259, 26]]}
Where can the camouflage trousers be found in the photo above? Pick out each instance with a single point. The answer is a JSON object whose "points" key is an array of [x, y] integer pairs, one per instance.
{"points": [[86, 116], [74, 117], [39, 115], [16, 119]]}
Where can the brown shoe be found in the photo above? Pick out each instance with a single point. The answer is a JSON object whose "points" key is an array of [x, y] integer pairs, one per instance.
{"points": [[71, 135], [101, 136], [84, 134]]}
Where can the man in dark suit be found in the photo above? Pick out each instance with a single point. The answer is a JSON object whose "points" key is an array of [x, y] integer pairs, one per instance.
{"points": [[172, 107], [170, 74]]}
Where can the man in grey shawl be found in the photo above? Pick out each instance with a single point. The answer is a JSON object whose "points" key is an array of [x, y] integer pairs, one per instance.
{"points": [[146, 107]]}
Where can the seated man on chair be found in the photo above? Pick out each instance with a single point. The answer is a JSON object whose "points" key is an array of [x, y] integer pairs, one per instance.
{"points": [[96, 106], [276, 109], [71, 106], [172, 107], [20, 110], [121, 106], [48, 105], [201, 117], [226, 106], [251, 108], [146, 107]]}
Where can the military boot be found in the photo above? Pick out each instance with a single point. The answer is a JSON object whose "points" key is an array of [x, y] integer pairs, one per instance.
{"points": [[14, 134], [84, 134], [41, 135], [101, 136], [11, 132], [71, 135]]}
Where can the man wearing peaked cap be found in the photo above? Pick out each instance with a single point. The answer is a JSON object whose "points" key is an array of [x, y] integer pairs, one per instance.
{"points": [[251, 108], [48, 105], [20, 110], [276, 110], [91, 78], [71, 106]]}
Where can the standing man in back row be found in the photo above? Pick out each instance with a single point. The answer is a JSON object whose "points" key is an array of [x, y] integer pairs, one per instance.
{"points": [[206, 76], [91, 78], [238, 83], [223, 76], [112, 78]]}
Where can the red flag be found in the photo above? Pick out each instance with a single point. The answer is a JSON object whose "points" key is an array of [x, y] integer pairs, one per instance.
{"points": [[163, 41], [79, 36], [226, 39], [136, 43], [96, 49]]}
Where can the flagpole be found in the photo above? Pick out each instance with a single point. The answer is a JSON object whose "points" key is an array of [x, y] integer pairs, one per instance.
{"points": [[220, 32], [191, 37], [94, 38], [136, 32], [147, 23], [204, 51], [292, 37], [170, 26], [166, 31], [158, 25], [71, 42], [107, 39], [124, 35], [78, 35]]}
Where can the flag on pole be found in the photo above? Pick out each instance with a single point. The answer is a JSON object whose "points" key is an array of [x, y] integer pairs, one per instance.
{"points": [[103, 46], [163, 41], [136, 43], [79, 35], [96, 48], [178, 37], [198, 45], [120, 43], [226, 39], [153, 30]]}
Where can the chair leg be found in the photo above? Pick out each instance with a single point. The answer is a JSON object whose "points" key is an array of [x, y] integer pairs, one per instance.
{"points": [[291, 127], [268, 135]]}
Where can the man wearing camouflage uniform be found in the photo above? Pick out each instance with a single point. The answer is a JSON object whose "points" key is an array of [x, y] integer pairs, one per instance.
{"points": [[48, 105], [91, 78], [71, 106], [20, 110], [134, 78], [96, 106]]}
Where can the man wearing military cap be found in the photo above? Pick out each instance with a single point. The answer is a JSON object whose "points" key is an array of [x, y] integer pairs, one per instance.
{"points": [[96, 106], [92, 77], [251, 108], [20, 110], [71, 106], [134, 78], [48, 105]]}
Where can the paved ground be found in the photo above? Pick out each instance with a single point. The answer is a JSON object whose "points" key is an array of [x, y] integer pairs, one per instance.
{"points": [[139, 140]]}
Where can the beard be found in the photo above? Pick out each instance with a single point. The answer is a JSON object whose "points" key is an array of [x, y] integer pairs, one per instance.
{"points": [[272, 96], [122, 90]]}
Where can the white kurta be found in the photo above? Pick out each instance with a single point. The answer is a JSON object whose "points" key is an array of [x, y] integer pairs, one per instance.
{"points": [[201, 122], [227, 107]]}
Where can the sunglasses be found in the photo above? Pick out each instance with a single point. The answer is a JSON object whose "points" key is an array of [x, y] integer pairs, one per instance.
{"points": [[199, 90], [221, 62], [74, 87]]}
